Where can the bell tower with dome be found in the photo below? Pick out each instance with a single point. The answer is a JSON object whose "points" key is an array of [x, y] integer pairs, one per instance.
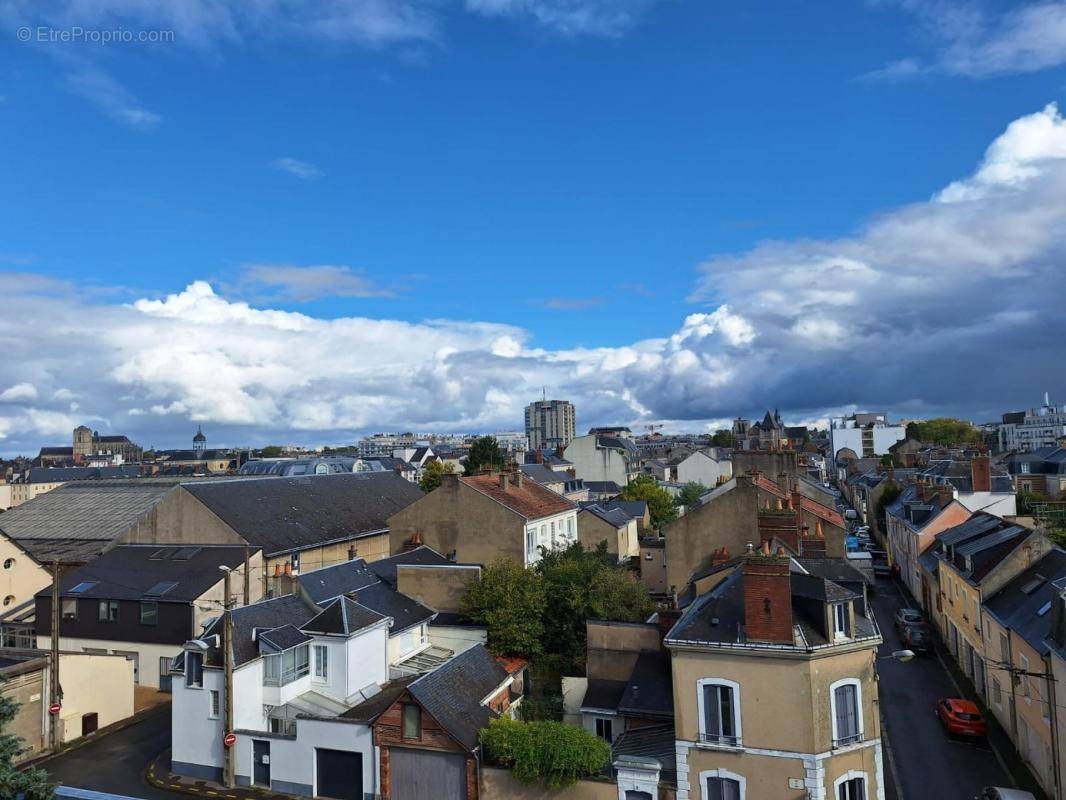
{"points": [[199, 441]]}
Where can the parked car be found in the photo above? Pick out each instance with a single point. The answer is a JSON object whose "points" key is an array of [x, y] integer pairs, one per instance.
{"points": [[961, 717], [1000, 793], [907, 616], [862, 529], [917, 639], [851, 513]]}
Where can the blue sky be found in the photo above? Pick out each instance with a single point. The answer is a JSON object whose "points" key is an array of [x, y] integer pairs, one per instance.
{"points": [[544, 166]]}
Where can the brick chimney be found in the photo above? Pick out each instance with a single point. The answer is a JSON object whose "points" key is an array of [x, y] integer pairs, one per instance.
{"points": [[719, 556], [921, 491], [812, 545], [538, 456], [768, 596], [503, 481], [981, 472], [667, 617], [413, 542], [518, 478]]}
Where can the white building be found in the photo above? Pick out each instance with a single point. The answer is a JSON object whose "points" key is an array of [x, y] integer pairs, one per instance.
{"points": [[701, 467], [599, 458], [866, 435], [1043, 426], [550, 424]]}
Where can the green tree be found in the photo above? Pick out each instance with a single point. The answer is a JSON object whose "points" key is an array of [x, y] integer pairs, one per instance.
{"points": [[690, 494], [553, 754], [722, 438], [580, 585], [944, 431], [887, 498], [509, 600], [30, 784], [433, 473], [661, 506], [270, 451], [1027, 499], [484, 453]]}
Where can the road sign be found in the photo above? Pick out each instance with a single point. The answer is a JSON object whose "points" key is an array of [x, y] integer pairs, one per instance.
{"points": [[54, 709], [229, 740]]}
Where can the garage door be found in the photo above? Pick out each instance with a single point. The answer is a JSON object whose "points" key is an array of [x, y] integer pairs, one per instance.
{"points": [[340, 774], [427, 775]]}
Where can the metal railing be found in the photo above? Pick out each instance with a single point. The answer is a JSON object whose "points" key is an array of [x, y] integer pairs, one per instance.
{"points": [[719, 739]]}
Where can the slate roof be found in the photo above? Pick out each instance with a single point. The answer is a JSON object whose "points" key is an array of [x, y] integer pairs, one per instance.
{"points": [[128, 572], [77, 521], [650, 741], [453, 692], [649, 691], [283, 637], [404, 610], [614, 516], [603, 694], [385, 568], [285, 514], [57, 474], [636, 509], [1019, 604], [984, 540], [542, 475], [344, 617], [290, 609], [532, 501], [603, 487], [369, 710]]}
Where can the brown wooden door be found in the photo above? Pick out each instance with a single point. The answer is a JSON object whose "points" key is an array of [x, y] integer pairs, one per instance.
{"points": [[89, 723]]}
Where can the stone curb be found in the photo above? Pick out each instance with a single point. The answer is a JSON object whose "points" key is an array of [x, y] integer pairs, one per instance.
{"points": [[114, 727], [174, 783]]}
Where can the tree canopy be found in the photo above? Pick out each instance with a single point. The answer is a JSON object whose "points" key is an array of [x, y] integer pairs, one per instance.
{"points": [[30, 784], [433, 473], [542, 610], [722, 438], [270, 451], [661, 508], [944, 430], [484, 453], [690, 494]]}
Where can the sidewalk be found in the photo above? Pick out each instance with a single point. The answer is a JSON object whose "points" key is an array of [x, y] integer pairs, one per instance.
{"points": [[159, 775]]}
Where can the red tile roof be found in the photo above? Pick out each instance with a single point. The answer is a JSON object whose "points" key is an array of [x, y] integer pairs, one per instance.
{"points": [[512, 664], [824, 512], [532, 501], [771, 487]]}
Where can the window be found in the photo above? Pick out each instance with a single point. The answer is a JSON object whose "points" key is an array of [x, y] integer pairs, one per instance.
{"points": [[719, 707], [321, 662], [9, 563], [851, 788], [149, 612], [194, 670], [997, 693], [1004, 649], [108, 610], [840, 620], [9, 599], [531, 542], [283, 668], [1027, 689], [570, 526], [214, 704], [70, 608], [720, 784], [283, 726], [847, 712], [412, 721], [605, 729]]}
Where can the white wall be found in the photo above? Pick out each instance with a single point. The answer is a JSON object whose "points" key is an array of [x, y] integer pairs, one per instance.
{"points": [[699, 468], [147, 654], [594, 463], [195, 738], [367, 659], [565, 533], [457, 638], [1002, 504]]}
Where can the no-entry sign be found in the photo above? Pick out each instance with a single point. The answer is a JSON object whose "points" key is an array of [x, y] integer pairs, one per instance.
{"points": [[54, 709], [229, 739]]}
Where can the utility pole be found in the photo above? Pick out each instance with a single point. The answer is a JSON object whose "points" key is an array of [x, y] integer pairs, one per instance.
{"points": [[53, 688], [247, 577], [227, 659]]}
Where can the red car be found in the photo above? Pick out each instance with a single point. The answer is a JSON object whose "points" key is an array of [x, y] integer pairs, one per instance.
{"points": [[961, 717]]}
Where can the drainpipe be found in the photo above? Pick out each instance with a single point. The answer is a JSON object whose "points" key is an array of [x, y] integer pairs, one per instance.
{"points": [[1053, 710]]}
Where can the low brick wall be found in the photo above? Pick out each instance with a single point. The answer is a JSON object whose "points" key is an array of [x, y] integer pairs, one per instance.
{"points": [[499, 784]]}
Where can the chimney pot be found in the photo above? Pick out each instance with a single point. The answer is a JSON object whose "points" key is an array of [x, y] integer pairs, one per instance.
{"points": [[503, 481]]}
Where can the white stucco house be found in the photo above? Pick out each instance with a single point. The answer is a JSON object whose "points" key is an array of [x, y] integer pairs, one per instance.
{"points": [[701, 467]]}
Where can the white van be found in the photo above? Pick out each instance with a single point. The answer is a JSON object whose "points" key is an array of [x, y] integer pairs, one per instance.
{"points": [[851, 513], [999, 793]]}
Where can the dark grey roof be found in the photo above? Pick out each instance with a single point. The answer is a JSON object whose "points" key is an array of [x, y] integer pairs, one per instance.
{"points": [[453, 692], [266, 615], [977, 525], [814, 587], [650, 689], [385, 568], [385, 600], [603, 487], [368, 711], [285, 514], [650, 741], [284, 637], [1018, 604], [834, 569], [129, 572], [78, 520], [326, 583], [603, 694], [57, 474], [636, 509], [344, 617], [56, 451], [615, 516], [542, 475]]}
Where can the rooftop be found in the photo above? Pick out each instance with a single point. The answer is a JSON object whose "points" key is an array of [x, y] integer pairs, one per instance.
{"points": [[531, 500]]}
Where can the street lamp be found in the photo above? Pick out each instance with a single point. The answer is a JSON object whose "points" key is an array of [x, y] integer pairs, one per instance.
{"points": [[902, 656]]}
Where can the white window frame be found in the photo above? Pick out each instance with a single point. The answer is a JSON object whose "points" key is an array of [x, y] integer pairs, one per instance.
{"points": [[212, 696], [859, 708], [840, 620], [324, 650], [722, 773], [603, 722], [1027, 688], [850, 775], [736, 712]]}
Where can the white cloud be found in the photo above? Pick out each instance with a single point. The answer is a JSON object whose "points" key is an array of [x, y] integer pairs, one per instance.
{"points": [[313, 282], [294, 166], [110, 96], [953, 303], [571, 17], [18, 393], [975, 44]]}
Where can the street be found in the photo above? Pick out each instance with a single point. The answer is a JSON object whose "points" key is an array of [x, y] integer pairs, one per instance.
{"points": [[115, 763], [928, 763]]}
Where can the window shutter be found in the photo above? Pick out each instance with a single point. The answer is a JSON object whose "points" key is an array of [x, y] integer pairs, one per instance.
{"points": [[712, 715]]}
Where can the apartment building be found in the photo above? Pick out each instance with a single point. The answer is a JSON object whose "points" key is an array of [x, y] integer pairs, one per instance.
{"points": [[775, 690], [864, 435], [550, 424]]}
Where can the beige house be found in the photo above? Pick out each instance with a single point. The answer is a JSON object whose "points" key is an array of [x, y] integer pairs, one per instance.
{"points": [[21, 577], [974, 561], [775, 688], [1023, 626], [596, 524], [480, 518], [97, 691]]}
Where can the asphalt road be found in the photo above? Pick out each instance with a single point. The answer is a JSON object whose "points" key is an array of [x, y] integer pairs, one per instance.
{"points": [[928, 763], [115, 763]]}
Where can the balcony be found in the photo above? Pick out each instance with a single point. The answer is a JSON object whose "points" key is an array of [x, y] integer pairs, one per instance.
{"points": [[846, 741], [717, 740]]}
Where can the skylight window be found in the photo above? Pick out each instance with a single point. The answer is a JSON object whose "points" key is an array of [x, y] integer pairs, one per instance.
{"points": [[160, 589], [1044, 609], [1033, 584], [185, 553], [84, 586]]}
